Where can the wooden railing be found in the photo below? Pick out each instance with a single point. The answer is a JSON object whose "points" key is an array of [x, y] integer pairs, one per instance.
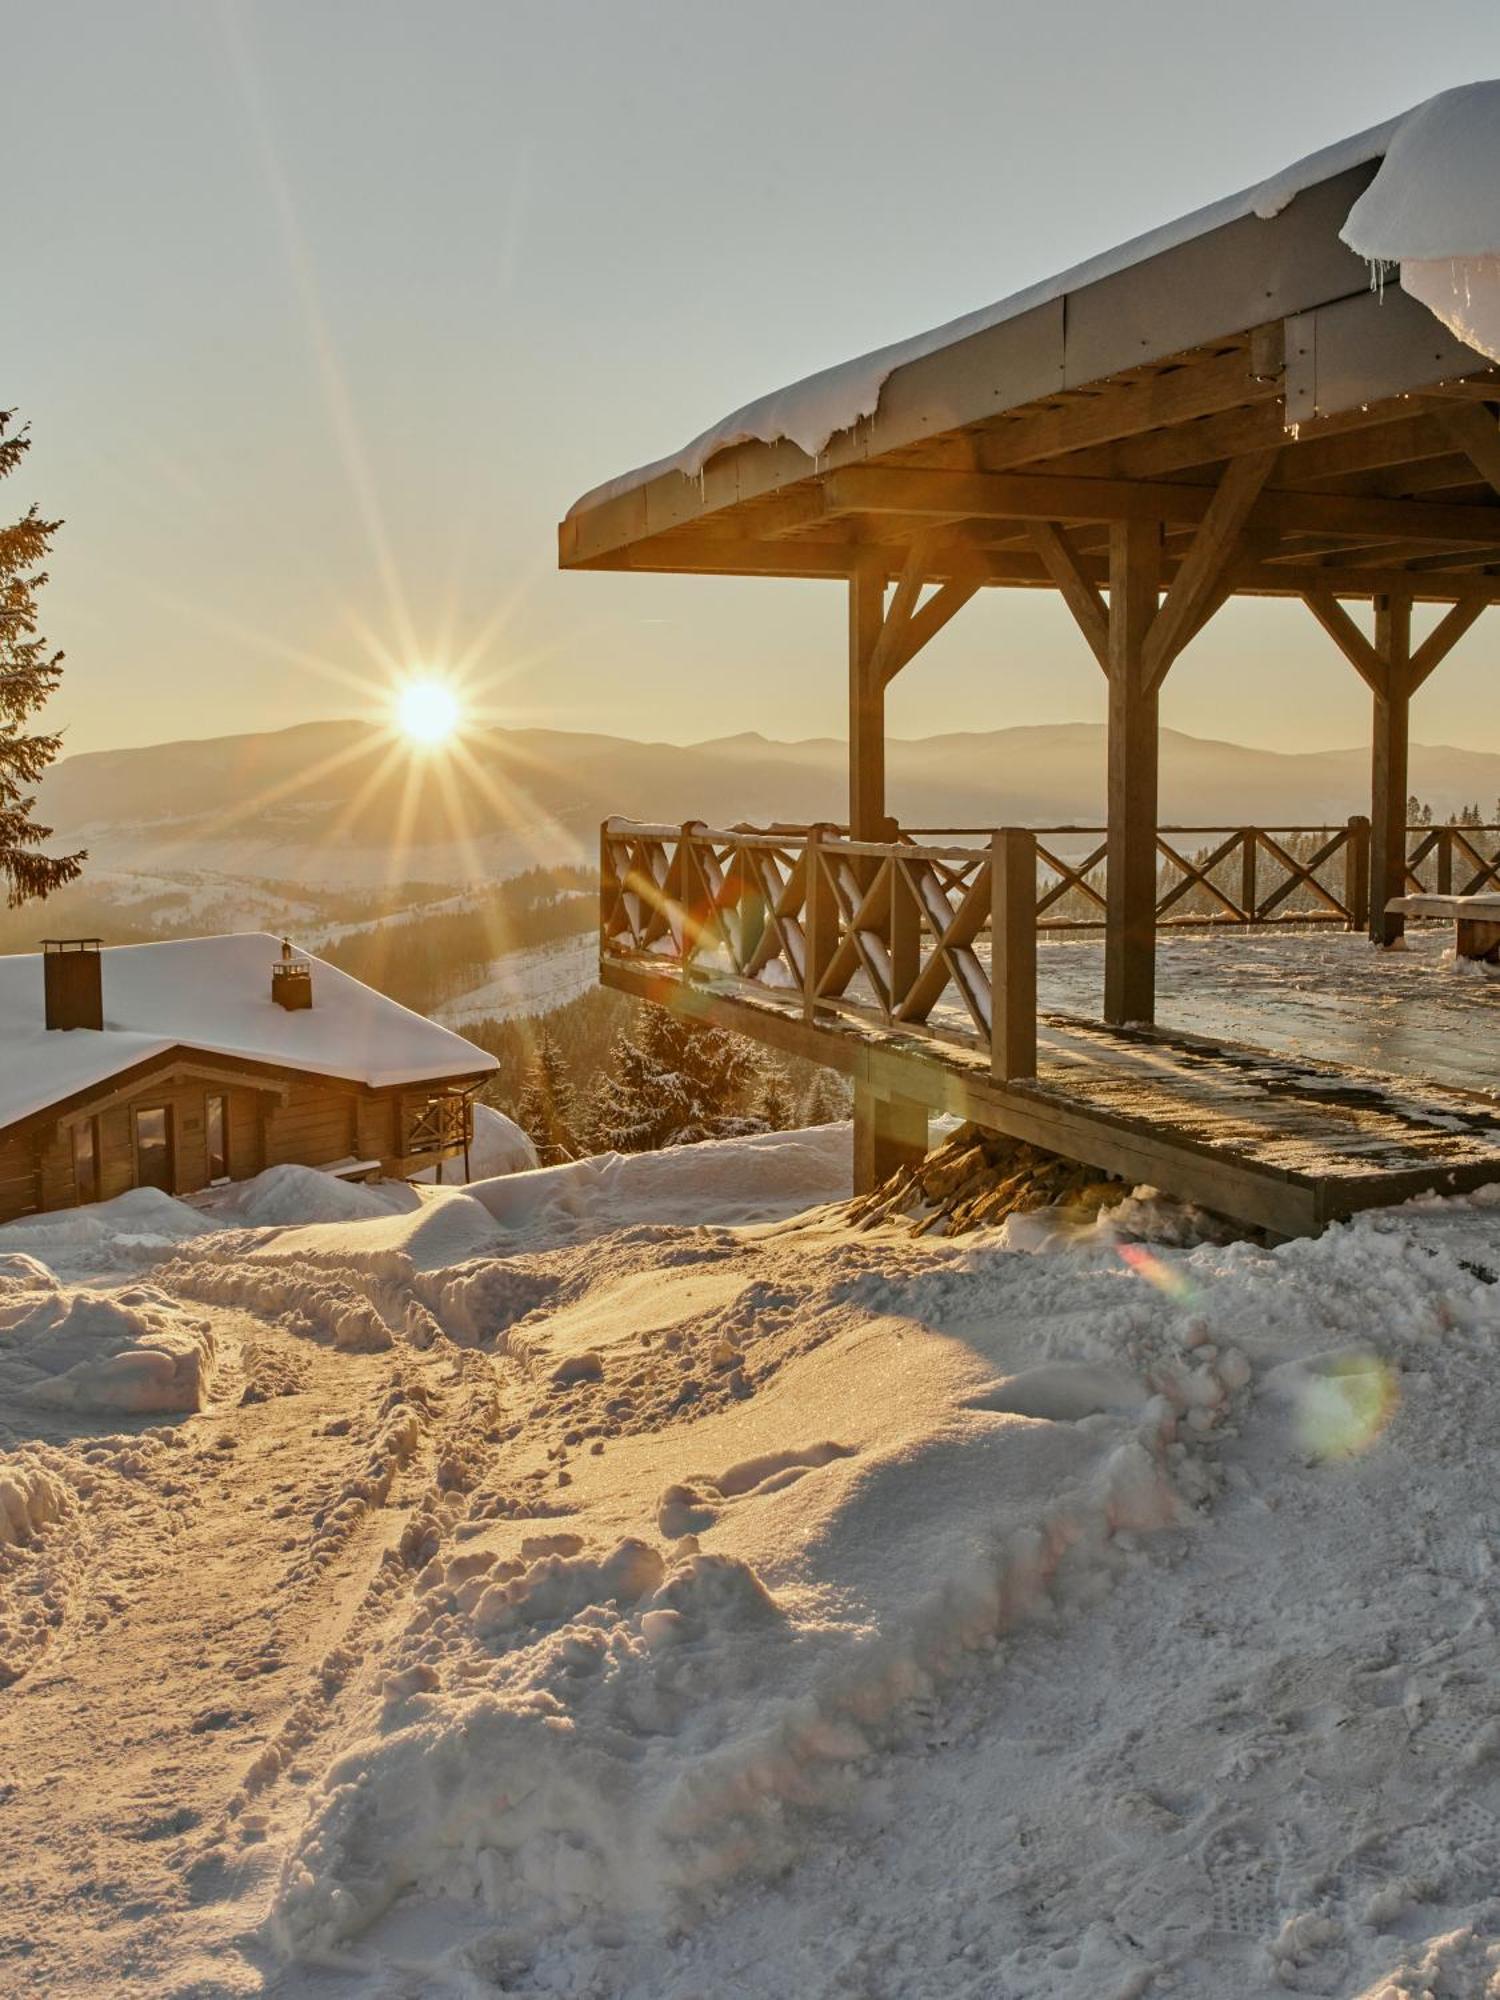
{"points": [[1453, 860], [886, 933], [1211, 875], [933, 934]]}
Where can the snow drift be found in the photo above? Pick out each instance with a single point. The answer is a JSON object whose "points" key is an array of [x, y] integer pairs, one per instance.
{"points": [[67, 1348]]}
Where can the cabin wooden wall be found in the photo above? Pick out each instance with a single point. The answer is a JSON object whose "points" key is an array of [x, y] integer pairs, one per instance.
{"points": [[321, 1121], [317, 1123]]}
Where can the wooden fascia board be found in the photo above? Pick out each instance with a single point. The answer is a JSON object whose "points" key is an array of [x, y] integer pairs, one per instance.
{"points": [[1212, 288]]}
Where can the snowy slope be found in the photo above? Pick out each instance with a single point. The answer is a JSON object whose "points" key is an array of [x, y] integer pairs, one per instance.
{"points": [[648, 1607]]}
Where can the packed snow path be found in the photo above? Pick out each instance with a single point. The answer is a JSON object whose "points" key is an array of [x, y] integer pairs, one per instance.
{"points": [[553, 1598]]}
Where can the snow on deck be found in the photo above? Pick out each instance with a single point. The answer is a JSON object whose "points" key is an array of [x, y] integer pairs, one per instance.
{"points": [[214, 995]]}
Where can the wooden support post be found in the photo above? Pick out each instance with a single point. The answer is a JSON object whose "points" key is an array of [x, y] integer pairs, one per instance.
{"points": [[1393, 673], [866, 706], [820, 918], [1012, 953], [1130, 889], [890, 1132], [1249, 888], [1357, 872], [1388, 778]]}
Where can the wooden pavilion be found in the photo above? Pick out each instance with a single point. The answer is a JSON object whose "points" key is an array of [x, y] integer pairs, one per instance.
{"points": [[1229, 408]]}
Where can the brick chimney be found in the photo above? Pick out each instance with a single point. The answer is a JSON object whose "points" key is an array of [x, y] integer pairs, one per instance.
{"points": [[291, 980], [73, 982]]}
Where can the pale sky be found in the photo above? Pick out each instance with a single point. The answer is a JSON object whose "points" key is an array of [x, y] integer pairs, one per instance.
{"points": [[323, 311]]}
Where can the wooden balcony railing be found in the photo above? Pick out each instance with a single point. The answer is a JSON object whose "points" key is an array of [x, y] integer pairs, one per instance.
{"points": [[881, 932], [933, 934]]}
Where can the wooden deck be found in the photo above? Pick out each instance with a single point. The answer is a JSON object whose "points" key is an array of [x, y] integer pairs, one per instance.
{"points": [[1281, 1143]]}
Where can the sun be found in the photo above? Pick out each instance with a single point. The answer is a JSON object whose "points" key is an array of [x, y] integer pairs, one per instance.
{"points": [[427, 711]]}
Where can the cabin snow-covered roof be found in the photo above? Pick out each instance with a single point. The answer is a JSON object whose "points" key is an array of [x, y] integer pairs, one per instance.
{"points": [[212, 995], [1432, 208]]}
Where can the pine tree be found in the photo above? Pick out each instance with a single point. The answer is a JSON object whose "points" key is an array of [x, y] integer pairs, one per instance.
{"points": [[548, 1110], [674, 1082], [28, 675], [776, 1110], [825, 1102]]}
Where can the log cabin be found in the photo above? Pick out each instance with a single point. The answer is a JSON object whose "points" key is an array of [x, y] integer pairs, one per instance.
{"points": [[196, 1061]]}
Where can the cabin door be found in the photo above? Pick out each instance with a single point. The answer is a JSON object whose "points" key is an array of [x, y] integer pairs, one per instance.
{"points": [[155, 1162]]}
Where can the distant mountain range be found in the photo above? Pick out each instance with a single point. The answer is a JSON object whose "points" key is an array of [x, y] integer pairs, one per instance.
{"points": [[327, 804]]}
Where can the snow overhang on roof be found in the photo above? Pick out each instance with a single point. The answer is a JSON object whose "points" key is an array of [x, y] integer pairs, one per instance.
{"points": [[212, 996], [1432, 209]]}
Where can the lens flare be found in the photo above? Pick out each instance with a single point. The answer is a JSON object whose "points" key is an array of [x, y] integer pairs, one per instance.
{"points": [[427, 711], [1167, 1278], [1344, 1405]]}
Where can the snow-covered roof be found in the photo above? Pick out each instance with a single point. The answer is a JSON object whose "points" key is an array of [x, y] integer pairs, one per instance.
{"points": [[1434, 208], [213, 995]]}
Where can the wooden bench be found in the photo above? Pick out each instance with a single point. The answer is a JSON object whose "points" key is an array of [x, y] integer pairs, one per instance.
{"points": [[1477, 919]]}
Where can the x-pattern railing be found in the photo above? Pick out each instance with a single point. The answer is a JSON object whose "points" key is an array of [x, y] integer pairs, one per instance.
{"points": [[440, 1122], [884, 932], [1454, 860], [924, 937]]}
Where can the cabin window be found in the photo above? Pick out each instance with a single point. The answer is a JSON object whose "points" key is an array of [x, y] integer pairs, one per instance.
{"points": [[153, 1148], [86, 1161], [216, 1136]]}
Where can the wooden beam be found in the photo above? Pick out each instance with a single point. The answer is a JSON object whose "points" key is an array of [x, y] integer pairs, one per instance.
{"points": [[1012, 953], [1475, 433], [890, 1132], [1346, 635], [866, 705], [1130, 885], [1079, 592], [1441, 640], [1388, 773], [909, 586], [1033, 496], [1204, 567], [1007, 496]]}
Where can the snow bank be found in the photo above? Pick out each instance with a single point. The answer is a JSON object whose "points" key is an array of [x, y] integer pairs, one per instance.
{"points": [[133, 1229], [498, 1146], [292, 1194], [70, 1349], [1434, 209], [722, 1180]]}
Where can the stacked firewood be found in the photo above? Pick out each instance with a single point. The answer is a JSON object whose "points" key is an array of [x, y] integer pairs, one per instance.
{"points": [[976, 1179]]}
